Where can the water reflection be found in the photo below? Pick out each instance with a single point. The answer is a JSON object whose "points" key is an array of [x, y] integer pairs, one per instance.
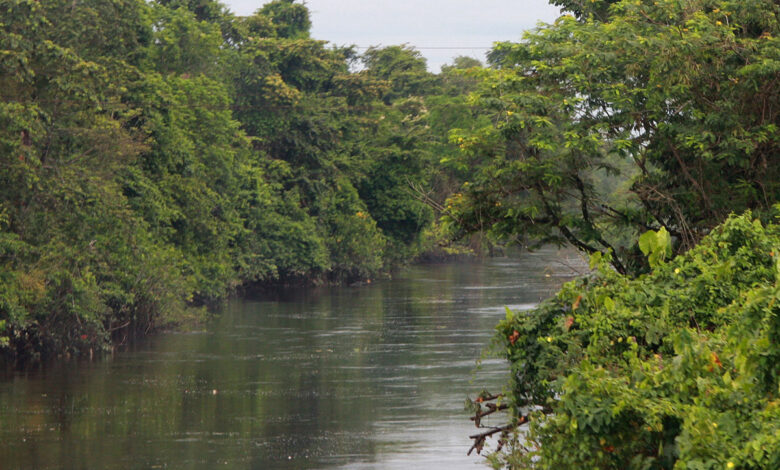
{"points": [[369, 377]]}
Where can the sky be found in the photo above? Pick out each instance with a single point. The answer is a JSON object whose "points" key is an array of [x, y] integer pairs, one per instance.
{"points": [[439, 29]]}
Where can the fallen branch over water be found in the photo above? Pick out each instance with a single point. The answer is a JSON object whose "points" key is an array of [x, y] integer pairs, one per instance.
{"points": [[491, 408], [479, 413]]}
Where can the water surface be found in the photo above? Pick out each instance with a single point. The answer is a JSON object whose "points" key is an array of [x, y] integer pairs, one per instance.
{"points": [[368, 377]]}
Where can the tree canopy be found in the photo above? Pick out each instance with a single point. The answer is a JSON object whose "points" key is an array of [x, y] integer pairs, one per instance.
{"points": [[157, 155], [674, 369], [626, 117], [633, 131]]}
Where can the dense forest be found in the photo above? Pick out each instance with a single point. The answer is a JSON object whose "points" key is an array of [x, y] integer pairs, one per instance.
{"points": [[156, 156], [159, 155], [634, 130]]}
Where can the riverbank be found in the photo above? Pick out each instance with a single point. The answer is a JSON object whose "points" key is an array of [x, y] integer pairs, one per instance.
{"points": [[322, 378], [158, 154], [26, 347]]}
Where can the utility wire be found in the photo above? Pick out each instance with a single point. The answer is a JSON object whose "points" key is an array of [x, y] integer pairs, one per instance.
{"points": [[446, 48]]}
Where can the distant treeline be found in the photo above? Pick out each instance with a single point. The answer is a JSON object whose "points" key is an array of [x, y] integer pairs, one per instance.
{"points": [[155, 155]]}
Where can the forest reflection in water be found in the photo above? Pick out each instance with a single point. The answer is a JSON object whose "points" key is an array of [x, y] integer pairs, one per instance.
{"points": [[362, 377]]}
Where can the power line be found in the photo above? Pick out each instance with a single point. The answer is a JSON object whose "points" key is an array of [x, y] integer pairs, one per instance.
{"points": [[446, 48]]}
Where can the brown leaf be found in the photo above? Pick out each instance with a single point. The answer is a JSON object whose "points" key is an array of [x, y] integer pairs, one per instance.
{"points": [[514, 337], [716, 359]]}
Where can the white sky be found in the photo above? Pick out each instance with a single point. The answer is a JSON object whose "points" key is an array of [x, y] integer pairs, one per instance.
{"points": [[423, 24]]}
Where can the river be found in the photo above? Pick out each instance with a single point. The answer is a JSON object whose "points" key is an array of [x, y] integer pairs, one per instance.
{"points": [[370, 377]]}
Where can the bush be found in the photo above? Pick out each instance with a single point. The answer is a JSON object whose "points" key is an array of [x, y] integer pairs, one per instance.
{"points": [[675, 369]]}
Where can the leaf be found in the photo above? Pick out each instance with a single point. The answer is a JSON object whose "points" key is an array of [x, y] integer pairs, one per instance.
{"points": [[595, 259], [657, 246]]}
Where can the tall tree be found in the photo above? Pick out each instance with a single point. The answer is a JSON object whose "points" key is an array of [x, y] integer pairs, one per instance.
{"points": [[290, 19], [661, 114]]}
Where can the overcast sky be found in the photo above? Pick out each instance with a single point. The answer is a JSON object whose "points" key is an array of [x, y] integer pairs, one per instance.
{"points": [[429, 25]]}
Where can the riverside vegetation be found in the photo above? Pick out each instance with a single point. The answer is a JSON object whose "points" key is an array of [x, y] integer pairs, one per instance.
{"points": [[158, 154], [632, 130]]}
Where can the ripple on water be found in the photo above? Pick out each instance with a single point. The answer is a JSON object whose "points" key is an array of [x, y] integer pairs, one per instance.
{"points": [[363, 378]]}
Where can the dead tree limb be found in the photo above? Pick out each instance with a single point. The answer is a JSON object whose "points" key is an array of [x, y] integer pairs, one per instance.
{"points": [[479, 439]]}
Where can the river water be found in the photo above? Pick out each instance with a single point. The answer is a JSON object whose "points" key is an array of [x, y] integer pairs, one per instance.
{"points": [[370, 377]]}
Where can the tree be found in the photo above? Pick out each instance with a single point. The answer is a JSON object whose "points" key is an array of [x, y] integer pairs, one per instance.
{"points": [[586, 9], [290, 19], [661, 114], [403, 67], [78, 265], [674, 369], [157, 155]]}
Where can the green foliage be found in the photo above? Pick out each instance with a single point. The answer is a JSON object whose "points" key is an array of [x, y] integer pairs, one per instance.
{"points": [[290, 20], [333, 134], [159, 154], [631, 130], [634, 116], [355, 243], [675, 369], [586, 9], [204, 10], [399, 161], [657, 246], [403, 67], [184, 44]]}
